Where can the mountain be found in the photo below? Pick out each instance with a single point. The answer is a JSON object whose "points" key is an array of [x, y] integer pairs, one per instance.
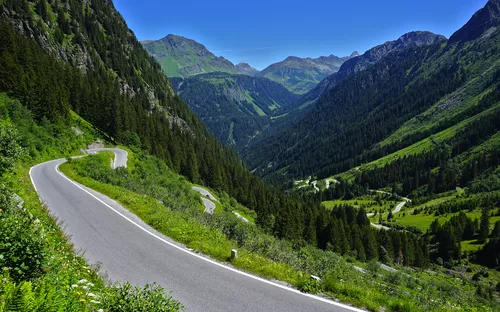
{"points": [[183, 57], [370, 57], [484, 19], [235, 108], [300, 75], [90, 64], [432, 105], [245, 69]]}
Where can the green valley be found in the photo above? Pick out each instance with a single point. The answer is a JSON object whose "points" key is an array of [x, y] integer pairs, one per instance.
{"points": [[364, 182], [235, 108]]}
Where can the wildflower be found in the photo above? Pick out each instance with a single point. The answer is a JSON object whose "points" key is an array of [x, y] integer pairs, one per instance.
{"points": [[93, 301], [83, 281], [74, 286], [82, 300]]}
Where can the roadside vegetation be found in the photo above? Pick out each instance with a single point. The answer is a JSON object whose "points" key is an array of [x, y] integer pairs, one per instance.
{"points": [[148, 189], [39, 268]]}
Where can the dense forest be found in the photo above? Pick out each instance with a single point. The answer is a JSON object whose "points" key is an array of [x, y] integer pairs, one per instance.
{"points": [[96, 94]]}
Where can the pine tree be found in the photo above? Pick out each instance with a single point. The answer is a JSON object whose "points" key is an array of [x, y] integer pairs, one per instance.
{"points": [[41, 9], [390, 216], [496, 230], [484, 225]]}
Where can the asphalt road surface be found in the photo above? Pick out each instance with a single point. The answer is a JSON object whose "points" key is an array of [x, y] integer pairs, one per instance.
{"points": [[129, 250]]}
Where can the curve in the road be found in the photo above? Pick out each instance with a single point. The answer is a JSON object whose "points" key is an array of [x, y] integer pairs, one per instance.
{"points": [[396, 209], [129, 250], [207, 202], [121, 156]]}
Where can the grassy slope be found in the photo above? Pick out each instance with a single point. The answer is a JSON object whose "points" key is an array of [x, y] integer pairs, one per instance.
{"points": [[340, 281], [175, 225], [65, 271], [368, 202], [425, 145], [66, 267]]}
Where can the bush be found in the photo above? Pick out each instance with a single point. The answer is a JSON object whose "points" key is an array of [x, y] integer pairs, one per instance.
{"points": [[23, 250], [131, 139], [484, 291], [309, 285], [402, 306], [373, 267], [127, 298], [395, 278]]}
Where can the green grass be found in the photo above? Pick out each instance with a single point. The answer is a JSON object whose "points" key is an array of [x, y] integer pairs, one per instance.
{"points": [[258, 252], [170, 66], [59, 285], [471, 245], [258, 110], [423, 221], [434, 202], [185, 230], [370, 205]]}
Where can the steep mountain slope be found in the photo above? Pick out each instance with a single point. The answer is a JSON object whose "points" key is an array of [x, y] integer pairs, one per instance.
{"points": [[234, 107], [245, 69], [300, 75], [343, 129], [183, 57], [484, 20], [370, 57], [90, 62]]}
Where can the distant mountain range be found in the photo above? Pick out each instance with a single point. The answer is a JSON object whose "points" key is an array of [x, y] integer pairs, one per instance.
{"points": [[183, 57], [237, 102], [418, 110], [300, 75]]}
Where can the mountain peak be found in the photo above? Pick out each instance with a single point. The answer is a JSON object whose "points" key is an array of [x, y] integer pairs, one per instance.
{"points": [[245, 69], [420, 38], [413, 38], [300, 75], [354, 54], [481, 21], [184, 57]]}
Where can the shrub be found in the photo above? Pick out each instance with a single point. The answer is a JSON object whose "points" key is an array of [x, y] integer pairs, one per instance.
{"points": [[373, 267], [309, 285], [395, 278], [127, 298], [131, 139], [402, 306], [23, 250]]}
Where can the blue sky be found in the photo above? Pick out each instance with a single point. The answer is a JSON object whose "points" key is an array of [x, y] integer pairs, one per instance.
{"points": [[263, 32]]}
